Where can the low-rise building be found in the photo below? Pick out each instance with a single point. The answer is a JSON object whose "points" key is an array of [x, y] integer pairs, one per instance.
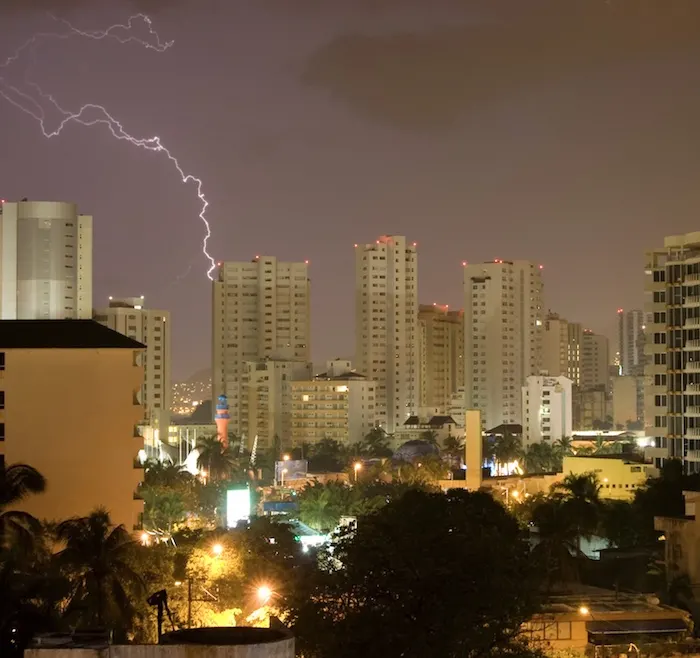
{"points": [[619, 475], [582, 617], [547, 409], [339, 404], [682, 541], [436, 428], [69, 407]]}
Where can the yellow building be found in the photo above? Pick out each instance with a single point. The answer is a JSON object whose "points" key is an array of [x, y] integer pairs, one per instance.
{"points": [[582, 616], [619, 475], [70, 406], [339, 404]]}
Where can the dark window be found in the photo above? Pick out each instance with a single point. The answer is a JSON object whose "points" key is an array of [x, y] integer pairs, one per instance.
{"points": [[2, 360], [2, 431], [2, 399]]}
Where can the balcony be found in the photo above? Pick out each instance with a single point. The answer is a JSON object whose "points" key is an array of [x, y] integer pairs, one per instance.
{"points": [[693, 456], [692, 411], [693, 432], [693, 344], [692, 277], [692, 366], [692, 322]]}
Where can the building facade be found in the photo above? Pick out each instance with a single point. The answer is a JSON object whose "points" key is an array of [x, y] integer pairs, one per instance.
{"points": [[441, 355], [561, 348], [45, 261], [547, 409], [266, 400], [261, 310], [631, 342], [672, 350], [130, 317], [70, 409], [338, 404], [386, 331], [595, 358], [502, 336]]}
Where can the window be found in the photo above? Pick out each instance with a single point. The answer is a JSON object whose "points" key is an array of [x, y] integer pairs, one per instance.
{"points": [[2, 431], [2, 399], [2, 360]]}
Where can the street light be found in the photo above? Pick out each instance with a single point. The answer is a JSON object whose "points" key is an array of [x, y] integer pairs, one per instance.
{"points": [[145, 538], [217, 549], [285, 458], [583, 610], [264, 594], [357, 466]]}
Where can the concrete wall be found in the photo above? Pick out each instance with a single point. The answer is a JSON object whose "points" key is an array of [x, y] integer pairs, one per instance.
{"points": [[280, 649]]}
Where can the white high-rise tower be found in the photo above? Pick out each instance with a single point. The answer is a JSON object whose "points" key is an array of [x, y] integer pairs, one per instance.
{"points": [[386, 325], [261, 310], [45, 261], [502, 336]]}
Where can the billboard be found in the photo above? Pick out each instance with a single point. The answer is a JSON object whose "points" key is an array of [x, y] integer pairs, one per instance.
{"points": [[237, 506], [291, 469]]}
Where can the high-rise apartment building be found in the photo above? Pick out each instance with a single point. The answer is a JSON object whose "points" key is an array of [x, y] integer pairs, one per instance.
{"points": [[69, 407], [130, 317], [338, 404], [547, 409], [386, 330], [261, 310], [561, 348], [45, 261], [672, 349], [595, 360], [502, 336], [631, 342], [441, 355], [266, 400]]}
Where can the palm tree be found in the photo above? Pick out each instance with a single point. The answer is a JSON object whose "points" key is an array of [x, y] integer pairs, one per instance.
{"points": [[580, 495], [453, 450], [507, 448], [16, 483], [377, 443], [541, 458], [164, 474], [96, 558], [430, 437], [216, 459], [322, 505]]}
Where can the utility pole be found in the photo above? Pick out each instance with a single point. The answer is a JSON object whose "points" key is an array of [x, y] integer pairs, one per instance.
{"points": [[189, 603]]}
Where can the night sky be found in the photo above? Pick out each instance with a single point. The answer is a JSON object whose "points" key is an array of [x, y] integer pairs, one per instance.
{"points": [[560, 131]]}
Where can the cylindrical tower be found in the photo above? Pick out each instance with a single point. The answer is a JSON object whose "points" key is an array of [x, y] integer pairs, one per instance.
{"points": [[222, 418]]}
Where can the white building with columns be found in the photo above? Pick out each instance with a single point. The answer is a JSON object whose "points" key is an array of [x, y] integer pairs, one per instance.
{"points": [[547, 409]]}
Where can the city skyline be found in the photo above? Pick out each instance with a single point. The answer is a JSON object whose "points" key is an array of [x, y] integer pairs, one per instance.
{"points": [[591, 166]]}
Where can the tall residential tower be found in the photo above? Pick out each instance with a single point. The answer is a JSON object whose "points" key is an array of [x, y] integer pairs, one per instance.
{"points": [[45, 261], [502, 336], [261, 310], [631, 342], [130, 317], [386, 325]]}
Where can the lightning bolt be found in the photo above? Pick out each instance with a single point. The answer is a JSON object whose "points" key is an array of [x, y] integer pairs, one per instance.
{"points": [[90, 114]]}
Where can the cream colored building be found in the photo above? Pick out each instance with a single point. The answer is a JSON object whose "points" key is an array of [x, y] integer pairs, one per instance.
{"points": [[591, 407], [619, 476], [502, 336], [70, 409], [624, 400], [682, 541], [547, 409], [386, 331], [130, 317], [261, 310], [595, 360], [672, 350], [441, 355], [266, 400], [338, 404], [45, 261], [561, 348]]}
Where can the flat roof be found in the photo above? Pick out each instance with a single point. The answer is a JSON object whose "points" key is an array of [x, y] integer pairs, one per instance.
{"points": [[62, 335]]}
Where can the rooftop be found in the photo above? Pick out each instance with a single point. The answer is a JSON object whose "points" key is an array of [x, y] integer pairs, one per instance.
{"points": [[62, 334]]}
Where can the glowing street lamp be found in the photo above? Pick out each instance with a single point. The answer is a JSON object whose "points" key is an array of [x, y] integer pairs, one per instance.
{"points": [[583, 610], [357, 466], [264, 594], [286, 458], [217, 549], [145, 538]]}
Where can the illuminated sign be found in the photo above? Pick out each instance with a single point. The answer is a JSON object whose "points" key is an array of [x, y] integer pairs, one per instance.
{"points": [[237, 506]]}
